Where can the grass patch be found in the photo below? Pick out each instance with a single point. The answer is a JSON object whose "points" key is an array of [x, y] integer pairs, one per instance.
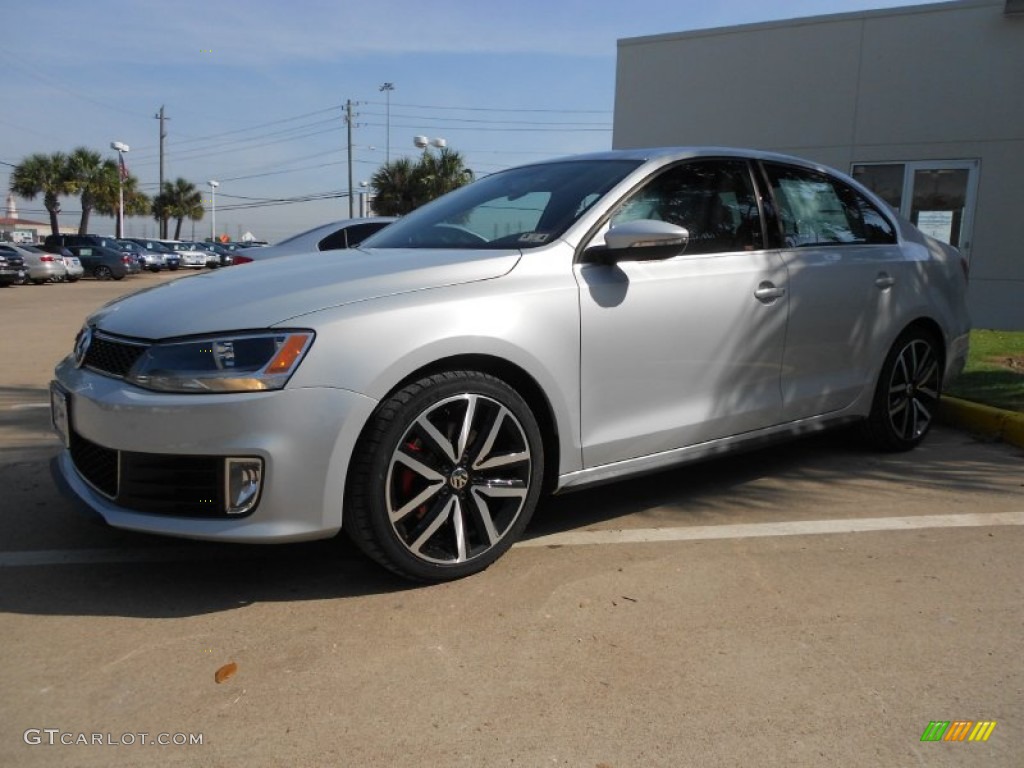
{"points": [[994, 374]]}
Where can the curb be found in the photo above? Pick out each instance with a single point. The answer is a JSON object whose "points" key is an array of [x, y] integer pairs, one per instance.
{"points": [[1007, 426]]}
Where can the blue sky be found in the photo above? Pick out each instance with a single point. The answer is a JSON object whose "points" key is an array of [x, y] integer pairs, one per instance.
{"points": [[255, 90]]}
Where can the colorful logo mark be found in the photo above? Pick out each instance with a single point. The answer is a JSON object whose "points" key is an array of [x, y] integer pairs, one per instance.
{"points": [[958, 730]]}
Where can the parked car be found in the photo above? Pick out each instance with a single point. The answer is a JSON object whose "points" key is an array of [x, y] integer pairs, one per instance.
{"points": [[54, 244], [103, 263], [544, 328], [148, 260], [338, 235], [12, 269], [191, 258], [216, 255], [41, 267], [74, 267], [170, 258]]}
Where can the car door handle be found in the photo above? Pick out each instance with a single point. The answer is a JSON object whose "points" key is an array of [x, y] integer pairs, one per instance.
{"points": [[885, 280], [768, 292]]}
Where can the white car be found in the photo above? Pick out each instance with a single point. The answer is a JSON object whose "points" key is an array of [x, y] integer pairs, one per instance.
{"points": [[338, 235], [191, 258]]}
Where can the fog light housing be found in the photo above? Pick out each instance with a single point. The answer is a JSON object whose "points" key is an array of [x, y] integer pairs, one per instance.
{"points": [[243, 480]]}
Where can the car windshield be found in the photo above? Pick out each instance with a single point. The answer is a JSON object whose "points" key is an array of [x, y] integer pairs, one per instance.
{"points": [[520, 208], [32, 249], [128, 245]]}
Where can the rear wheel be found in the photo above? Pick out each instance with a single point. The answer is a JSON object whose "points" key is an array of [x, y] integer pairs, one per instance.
{"points": [[445, 477], [907, 394], [103, 272]]}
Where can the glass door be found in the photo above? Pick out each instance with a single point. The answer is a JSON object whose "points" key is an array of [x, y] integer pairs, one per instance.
{"points": [[938, 196]]}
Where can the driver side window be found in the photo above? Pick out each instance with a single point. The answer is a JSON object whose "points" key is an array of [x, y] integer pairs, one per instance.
{"points": [[712, 199]]}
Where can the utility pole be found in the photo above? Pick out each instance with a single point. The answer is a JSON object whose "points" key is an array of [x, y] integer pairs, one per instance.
{"points": [[348, 119], [163, 135], [387, 88]]}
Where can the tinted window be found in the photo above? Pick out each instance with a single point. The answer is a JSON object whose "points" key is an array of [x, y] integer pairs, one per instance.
{"points": [[712, 199], [815, 209]]}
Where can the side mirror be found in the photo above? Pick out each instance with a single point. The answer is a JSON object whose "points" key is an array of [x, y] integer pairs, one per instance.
{"points": [[641, 240]]}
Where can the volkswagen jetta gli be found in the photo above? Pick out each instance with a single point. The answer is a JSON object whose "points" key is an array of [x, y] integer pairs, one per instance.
{"points": [[544, 328]]}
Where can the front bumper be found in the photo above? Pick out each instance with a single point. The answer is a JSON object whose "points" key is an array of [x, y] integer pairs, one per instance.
{"points": [[305, 438]]}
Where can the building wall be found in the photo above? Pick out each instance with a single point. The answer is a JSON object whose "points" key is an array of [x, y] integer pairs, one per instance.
{"points": [[942, 81]]}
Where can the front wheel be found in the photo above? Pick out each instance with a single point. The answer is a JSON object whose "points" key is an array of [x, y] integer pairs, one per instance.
{"points": [[445, 477], [907, 394]]}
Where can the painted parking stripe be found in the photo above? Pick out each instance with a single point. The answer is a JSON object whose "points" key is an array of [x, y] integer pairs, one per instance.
{"points": [[47, 557], [759, 530]]}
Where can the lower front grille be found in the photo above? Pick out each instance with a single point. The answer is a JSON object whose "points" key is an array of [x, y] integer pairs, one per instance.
{"points": [[155, 483], [184, 486], [98, 465]]}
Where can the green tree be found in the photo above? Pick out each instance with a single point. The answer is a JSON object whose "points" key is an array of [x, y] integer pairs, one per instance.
{"points": [[92, 179], [48, 175], [178, 200], [402, 185], [108, 194]]}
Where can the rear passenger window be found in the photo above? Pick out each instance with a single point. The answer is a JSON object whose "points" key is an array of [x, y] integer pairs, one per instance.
{"points": [[814, 209]]}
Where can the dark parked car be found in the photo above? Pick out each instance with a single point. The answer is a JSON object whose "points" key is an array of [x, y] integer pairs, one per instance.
{"points": [[12, 269], [54, 243], [102, 263]]}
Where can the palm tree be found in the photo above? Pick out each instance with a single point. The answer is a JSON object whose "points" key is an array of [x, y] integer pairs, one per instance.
{"points": [[402, 186], [92, 180], [108, 194], [443, 172], [395, 188], [178, 200], [47, 175]]}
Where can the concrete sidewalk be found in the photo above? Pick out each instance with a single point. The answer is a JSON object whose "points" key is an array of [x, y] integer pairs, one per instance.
{"points": [[1007, 426]]}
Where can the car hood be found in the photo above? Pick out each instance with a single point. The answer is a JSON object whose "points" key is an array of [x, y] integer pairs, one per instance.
{"points": [[264, 294]]}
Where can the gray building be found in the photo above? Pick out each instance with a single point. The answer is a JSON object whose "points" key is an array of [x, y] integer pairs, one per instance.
{"points": [[923, 104]]}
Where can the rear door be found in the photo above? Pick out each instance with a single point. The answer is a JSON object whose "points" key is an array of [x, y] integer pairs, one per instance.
{"points": [[846, 269]]}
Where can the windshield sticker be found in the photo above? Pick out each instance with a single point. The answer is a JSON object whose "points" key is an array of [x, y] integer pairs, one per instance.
{"points": [[534, 237]]}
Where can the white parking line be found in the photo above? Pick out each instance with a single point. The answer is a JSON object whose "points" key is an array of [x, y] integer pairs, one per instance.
{"points": [[758, 530], [44, 557]]}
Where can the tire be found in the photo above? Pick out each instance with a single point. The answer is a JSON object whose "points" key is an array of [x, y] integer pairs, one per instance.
{"points": [[72, 279], [102, 272], [907, 394], [39, 282], [445, 476]]}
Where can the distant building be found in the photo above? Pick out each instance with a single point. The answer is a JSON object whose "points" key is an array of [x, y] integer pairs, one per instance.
{"points": [[14, 229], [923, 104]]}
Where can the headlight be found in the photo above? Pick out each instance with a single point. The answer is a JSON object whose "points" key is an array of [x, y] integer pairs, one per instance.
{"points": [[247, 362]]}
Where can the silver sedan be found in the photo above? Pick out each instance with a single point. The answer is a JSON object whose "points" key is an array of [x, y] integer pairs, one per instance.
{"points": [[544, 328]]}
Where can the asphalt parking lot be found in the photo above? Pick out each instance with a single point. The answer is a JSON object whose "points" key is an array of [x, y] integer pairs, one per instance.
{"points": [[809, 604]]}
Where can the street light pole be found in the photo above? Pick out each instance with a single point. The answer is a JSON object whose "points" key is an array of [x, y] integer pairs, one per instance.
{"points": [[120, 147], [213, 209], [387, 88]]}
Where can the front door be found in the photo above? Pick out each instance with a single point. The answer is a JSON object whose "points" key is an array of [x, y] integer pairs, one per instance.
{"points": [[688, 349]]}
